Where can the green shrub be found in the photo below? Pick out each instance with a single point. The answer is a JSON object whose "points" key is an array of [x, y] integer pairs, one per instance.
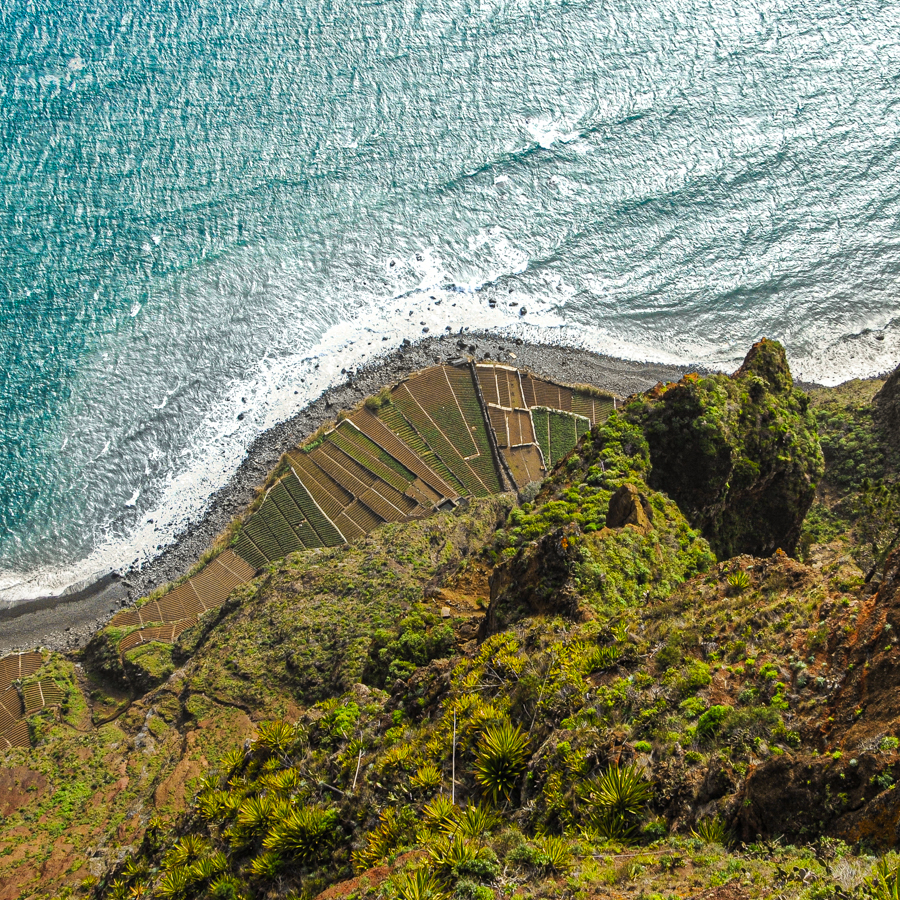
{"points": [[466, 889], [418, 638], [696, 675], [711, 721], [692, 707], [655, 830]]}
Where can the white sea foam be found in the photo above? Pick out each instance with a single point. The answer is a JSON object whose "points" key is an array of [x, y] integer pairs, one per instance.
{"points": [[279, 388]]}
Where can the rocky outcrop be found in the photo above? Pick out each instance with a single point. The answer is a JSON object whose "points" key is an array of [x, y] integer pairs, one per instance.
{"points": [[887, 405], [740, 454], [841, 796], [869, 696], [628, 506], [536, 581]]}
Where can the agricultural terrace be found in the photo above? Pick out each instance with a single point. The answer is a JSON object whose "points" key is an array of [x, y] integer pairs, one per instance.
{"points": [[443, 434], [21, 695]]}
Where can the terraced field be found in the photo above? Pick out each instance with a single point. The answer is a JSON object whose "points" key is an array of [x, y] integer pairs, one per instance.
{"points": [[443, 434], [21, 695], [537, 422]]}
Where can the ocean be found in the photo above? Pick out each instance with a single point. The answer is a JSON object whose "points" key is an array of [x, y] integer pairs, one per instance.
{"points": [[211, 209]]}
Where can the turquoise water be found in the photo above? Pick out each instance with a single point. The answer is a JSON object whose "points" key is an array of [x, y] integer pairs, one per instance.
{"points": [[204, 201]]}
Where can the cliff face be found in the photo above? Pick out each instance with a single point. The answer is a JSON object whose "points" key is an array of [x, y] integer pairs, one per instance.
{"points": [[887, 406], [739, 455]]}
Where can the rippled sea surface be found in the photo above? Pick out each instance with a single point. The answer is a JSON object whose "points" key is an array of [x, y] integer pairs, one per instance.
{"points": [[203, 200]]}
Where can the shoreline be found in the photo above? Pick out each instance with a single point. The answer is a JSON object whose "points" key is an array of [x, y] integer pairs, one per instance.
{"points": [[66, 621]]}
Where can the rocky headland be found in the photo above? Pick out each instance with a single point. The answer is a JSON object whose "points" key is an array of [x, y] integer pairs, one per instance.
{"points": [[670, 669]]}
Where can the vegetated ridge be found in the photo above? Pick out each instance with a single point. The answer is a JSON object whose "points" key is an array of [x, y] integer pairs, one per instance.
{"points": [[641, 678]]}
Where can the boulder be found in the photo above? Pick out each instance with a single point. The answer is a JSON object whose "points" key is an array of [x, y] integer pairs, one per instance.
{"points": [[628, 506], [537, 580]]}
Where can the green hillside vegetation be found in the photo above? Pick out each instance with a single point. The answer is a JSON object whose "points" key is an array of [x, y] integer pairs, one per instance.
{"points": [[559, 695]]}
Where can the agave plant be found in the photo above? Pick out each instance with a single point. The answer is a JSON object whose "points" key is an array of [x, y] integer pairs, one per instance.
{"points": [[283, 783], [554, 854], [452, 853], [174, 884], [266, 865], [139, 890], [738, 581], [208, 783], [428, 777], [500, 759], [712, 830], [225, 887], [603, 658], [440, 815], [884, 882], [118, 890], [399, 756], [212, 806], [391, 832], [208, 867], [603, 828], [185, 851], [134, 868], [616, 799], [475, 821], [304, 834], [419, 885], [231, 762], [274, 737], [257, 815]]}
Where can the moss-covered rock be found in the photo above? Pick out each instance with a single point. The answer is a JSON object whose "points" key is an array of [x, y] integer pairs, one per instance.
{"points": [[740, 454], [149, 665], [559, 557], [102, 658]]}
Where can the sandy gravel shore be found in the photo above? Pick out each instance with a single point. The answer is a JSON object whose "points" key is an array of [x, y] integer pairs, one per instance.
{"points": [[67, 622]]}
